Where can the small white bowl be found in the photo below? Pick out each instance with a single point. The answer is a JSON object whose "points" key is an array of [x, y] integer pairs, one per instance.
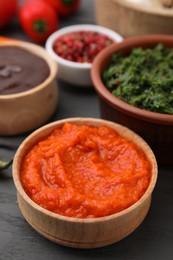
{"points": [[73, 72]]}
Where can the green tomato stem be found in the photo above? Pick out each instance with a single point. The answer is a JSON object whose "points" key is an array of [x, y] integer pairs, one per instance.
{"points": [[40, 26], [67, 2]]}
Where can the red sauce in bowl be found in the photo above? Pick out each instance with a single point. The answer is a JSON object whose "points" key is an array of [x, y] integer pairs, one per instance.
{"points": [[85, 172]]}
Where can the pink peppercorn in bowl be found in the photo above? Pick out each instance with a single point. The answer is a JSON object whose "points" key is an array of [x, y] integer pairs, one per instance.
{"points": [[74, 48]]}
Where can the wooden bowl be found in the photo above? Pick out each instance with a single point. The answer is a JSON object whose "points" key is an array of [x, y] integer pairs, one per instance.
{"points": [[155, 128], [89, 232], [134, 17], [25, 111]]}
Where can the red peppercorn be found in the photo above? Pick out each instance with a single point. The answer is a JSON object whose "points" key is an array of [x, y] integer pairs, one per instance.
{"points": [[81, 46]]}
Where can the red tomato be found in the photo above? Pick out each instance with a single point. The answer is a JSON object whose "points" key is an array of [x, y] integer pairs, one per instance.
{"points": [[64, 7], [7, 11], [38, 19]]}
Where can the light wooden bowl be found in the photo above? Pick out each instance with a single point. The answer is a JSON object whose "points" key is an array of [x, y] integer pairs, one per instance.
{"points": [[134, 17], [75, 232], [25, 111]]}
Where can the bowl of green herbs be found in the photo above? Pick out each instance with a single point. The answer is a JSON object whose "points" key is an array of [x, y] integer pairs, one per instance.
{"points": [[134, 82]]}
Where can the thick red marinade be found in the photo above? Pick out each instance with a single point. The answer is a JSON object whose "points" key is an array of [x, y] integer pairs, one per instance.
{"points": [[85, 172]]}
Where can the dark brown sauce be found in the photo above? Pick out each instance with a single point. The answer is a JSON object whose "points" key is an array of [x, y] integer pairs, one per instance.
{"points": [[20, 70]]}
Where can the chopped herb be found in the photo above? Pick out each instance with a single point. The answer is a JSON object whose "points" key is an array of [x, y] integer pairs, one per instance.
{"points": [[4, 165], [143, 79]]}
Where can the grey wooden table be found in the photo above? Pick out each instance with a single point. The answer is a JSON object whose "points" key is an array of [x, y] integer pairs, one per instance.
{"points": [[18, 241]]}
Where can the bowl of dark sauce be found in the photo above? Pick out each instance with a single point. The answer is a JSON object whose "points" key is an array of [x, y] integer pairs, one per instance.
{"points": [[27, 81]]}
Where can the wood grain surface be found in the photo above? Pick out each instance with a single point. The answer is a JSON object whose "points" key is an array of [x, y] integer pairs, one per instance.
{"points": [[130, 18]]}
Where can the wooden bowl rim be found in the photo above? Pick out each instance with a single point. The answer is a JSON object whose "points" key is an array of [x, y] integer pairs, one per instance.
{"points": [[103, 59], [161, 12], [93, 122], [40, 52]]}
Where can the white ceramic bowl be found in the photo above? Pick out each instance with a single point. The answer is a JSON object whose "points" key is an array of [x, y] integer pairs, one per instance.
{"points": [[73, 72]]}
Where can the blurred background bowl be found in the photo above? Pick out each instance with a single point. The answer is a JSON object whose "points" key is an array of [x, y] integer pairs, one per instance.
{"points": [[25, 111], [155, 128], [75, 73], [134, 17], [76, 232]]}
